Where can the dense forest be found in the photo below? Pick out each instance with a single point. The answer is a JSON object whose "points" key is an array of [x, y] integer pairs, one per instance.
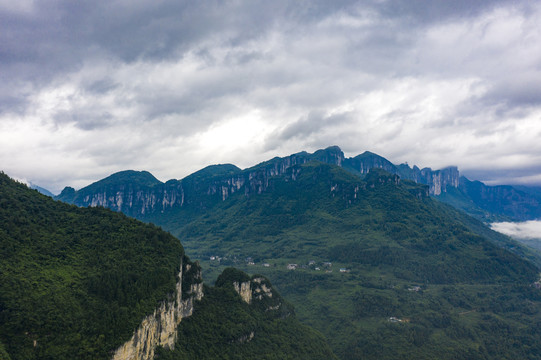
{"points": [[75, 283]]}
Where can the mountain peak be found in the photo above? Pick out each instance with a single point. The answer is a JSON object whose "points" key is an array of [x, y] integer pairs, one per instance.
{"points": [[138, 177], [214, 171], [331, 155]]}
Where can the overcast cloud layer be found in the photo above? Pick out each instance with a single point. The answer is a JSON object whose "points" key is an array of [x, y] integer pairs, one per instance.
{"points": [[88, 88]]}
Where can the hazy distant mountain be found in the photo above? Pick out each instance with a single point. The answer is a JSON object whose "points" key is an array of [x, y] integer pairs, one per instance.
{"points": [[501, 202], [42, 190]]}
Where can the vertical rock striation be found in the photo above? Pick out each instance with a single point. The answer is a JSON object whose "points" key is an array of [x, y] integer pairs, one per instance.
{"points": [[258, 289], [140, 195], [160, 328]]}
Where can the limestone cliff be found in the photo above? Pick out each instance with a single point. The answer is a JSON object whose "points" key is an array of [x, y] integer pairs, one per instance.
{"points": [[244, 289], [362, 163], [256, 291], [160, 328], [259, 290], [438, 180], [137, 195], [140, 195]]}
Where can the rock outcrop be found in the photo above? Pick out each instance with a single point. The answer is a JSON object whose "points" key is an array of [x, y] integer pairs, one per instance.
{"points": [[160, 328], [255, 290], [437, 180], [244, 289], [259, 290]]}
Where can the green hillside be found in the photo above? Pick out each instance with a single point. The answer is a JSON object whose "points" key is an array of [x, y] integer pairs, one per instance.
{"points": [[416, 282], [76, 282]]}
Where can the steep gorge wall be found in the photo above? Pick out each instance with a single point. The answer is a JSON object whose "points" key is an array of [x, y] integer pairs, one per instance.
{"points": [[438, 180], [140, 202], [160, 328], [201, 192]]}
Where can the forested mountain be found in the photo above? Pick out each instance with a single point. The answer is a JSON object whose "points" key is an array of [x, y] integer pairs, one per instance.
{"points": [[75, 282], [89, 283]]}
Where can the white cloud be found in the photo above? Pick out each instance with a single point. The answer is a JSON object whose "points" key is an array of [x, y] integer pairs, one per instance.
{"points": [[520, 230]]}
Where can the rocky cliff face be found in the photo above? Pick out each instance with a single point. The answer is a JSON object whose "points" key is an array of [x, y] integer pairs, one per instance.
{"points": [[160, 328], [257, 288], [244, 289], [140, 195], [439, 180], [363, 163], [142, 199], [259, 291]]}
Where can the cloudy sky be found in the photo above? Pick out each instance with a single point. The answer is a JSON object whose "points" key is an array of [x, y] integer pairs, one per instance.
{"points": [[88, 88]]}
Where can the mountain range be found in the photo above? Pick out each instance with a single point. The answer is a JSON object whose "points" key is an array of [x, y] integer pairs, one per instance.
{"points": [[366, 256], [141, 195]]}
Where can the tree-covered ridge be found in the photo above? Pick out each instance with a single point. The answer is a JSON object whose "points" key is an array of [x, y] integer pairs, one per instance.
{"points": [[224, 326], [75, 282], [382, 271], [128, 179]]}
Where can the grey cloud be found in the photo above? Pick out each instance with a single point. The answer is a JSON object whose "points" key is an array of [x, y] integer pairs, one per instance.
{"points": [[60, 35], [85, 119], [517, 91], [10, 102], [166, 71], [437, 10], [101, 86], [312, 124], [498, 175]]}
